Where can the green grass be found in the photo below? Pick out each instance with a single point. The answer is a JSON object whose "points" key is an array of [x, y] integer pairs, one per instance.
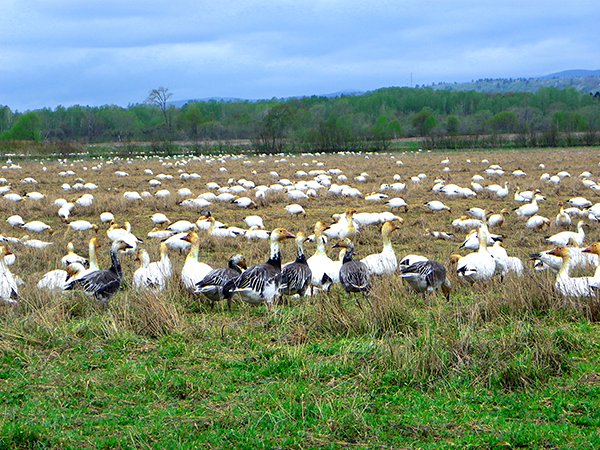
{"points": [[396, 374]]}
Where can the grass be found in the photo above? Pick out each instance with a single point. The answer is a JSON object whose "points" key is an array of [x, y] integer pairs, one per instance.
{"points": [[499, 366]]}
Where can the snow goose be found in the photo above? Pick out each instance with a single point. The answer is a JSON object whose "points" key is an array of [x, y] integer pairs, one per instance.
{"points": [[527, 210], [397, 203], [9, 291], [384, 263], [193, 270], [82, 225], [34, 243], [296, 276], [102, 284], [182, 226], [579, 202], [497, 220], [436, 205], [149, 276], [255, 232], [107, 217], [565, 284], [503, 192], [427, 276], [261, 283], [320, 264], [116, 233], [37, 226], [15, 221], [471, 242], [211, 286], [295, 209], [465, 223], [254, 221], [442, 235], [244, 202], [477, 213], [537, 223], [72, 257], [500, 256], [562, 218], [562, 238], [161, 219], [55, 280], [157, 233], [354, 275], [480, 265], [345, 227]]}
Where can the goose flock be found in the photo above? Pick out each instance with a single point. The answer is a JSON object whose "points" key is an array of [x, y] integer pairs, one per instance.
{"points": [[190, 244]]}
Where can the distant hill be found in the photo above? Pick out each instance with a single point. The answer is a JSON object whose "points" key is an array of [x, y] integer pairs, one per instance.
{"points": [[180, 103], [581, 80]]}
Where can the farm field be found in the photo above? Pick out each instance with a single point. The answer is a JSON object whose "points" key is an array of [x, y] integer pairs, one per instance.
{"points": [[500, 365]]}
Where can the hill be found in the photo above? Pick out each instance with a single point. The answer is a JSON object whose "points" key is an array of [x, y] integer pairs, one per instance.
{"points": [[581, 80]]}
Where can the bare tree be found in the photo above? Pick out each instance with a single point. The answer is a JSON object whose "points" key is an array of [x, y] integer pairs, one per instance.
{"points": [[159, 97]]}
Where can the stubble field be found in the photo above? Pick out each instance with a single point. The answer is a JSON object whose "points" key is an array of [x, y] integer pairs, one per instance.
{"points": [[508, 364]]}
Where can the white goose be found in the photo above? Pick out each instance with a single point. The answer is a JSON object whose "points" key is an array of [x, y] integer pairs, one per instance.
{"points": [[384, 263], [149, 276], [565, 284], [9, 292], [320, 264], [527, 210], [72, 257], [480, 265], [193, 270], [562, 238]]}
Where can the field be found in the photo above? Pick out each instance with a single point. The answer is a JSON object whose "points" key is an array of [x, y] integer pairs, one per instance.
{"points": [[500, 365]]}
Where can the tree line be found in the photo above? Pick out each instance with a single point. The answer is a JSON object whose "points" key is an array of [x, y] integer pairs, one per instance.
{"points": [[369, 121]]}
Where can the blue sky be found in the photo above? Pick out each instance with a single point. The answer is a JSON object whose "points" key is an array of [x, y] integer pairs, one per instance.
{"points": [[66, 52]]}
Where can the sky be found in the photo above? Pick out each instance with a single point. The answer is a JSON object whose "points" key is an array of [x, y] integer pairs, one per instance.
{"points": [[113, 52]]}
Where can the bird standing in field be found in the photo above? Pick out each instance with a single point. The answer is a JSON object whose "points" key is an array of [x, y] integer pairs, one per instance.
{"points": [[261, 283], [384, 263], [9, 292], [427, 276], [436, 205], [354, 275], [102, 284], [211, 286], [296, 276]]}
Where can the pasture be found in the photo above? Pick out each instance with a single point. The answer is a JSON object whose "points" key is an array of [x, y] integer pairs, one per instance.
{"points": [[502, 364]]}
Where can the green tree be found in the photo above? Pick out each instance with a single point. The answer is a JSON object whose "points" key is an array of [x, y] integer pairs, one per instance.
{"points": [[504, 122], [452, 124], [27, 128], [424, 121]]}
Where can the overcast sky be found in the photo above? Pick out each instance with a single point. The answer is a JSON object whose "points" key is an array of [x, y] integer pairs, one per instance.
{"points": [[66, 52]]}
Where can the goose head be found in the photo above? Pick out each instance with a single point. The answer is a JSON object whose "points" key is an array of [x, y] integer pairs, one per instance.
{"points": [[237, 260], [561, 251], [593, 248], [281, 234]]}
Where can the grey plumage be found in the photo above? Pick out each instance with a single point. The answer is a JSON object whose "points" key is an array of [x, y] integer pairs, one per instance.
{"points": [[211, 286], [354, 275], [296, 277], [102, 284], [260, 283], [427, 276]]}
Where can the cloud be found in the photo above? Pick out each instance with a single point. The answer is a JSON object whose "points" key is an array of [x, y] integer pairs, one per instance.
{"points": [[67, 51]]}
